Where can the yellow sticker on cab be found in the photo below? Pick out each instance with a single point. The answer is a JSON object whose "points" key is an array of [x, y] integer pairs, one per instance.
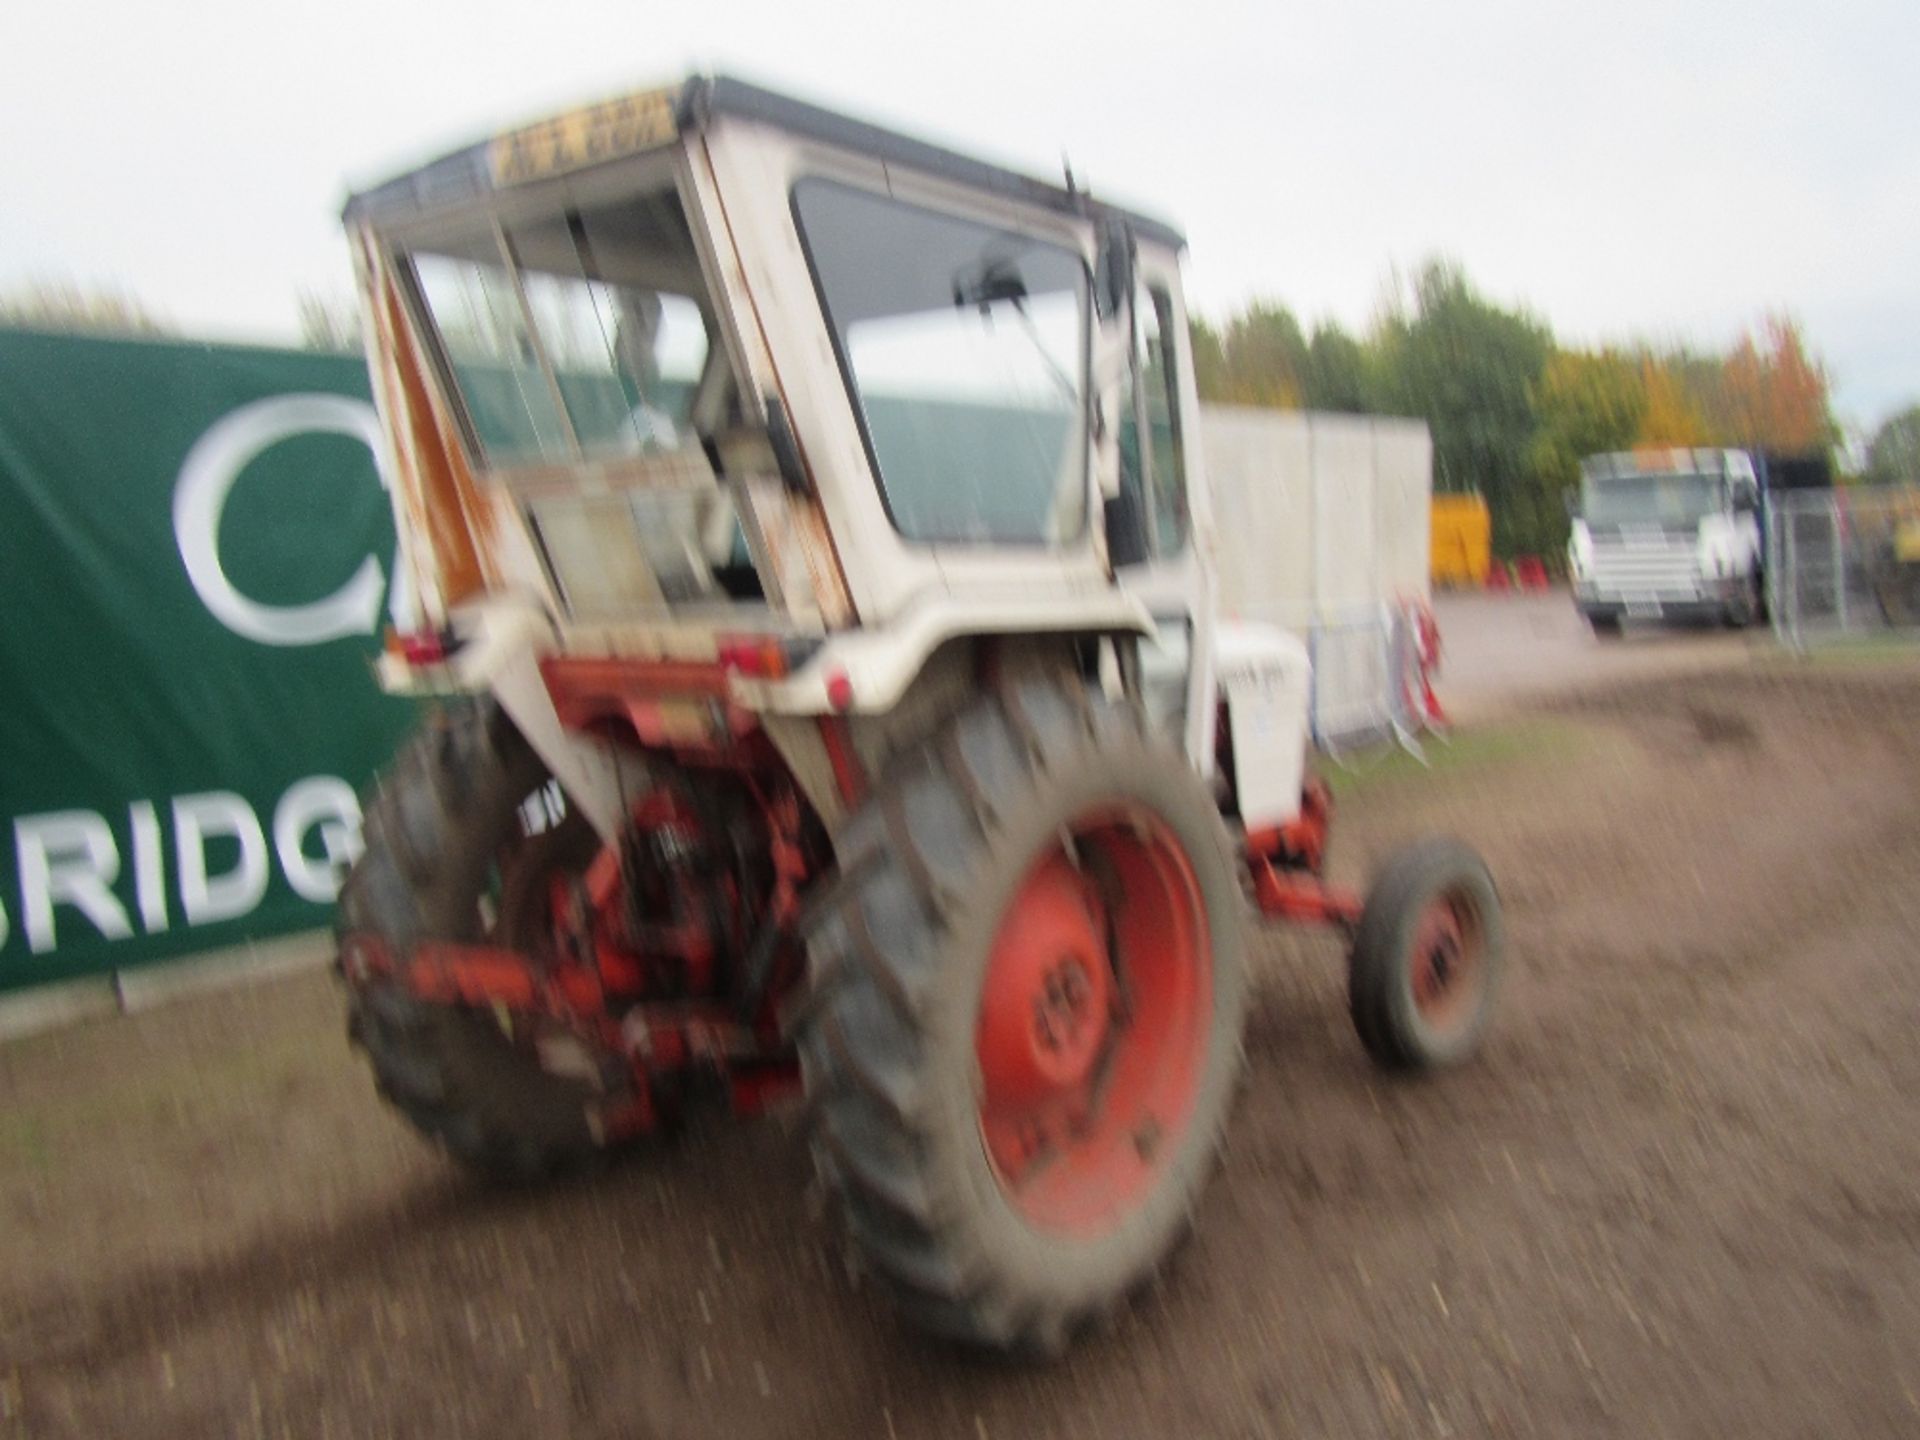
{"points": [[584, 137]]}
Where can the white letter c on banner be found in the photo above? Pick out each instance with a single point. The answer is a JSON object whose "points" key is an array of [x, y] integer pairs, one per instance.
{"points": [[207, 476]]}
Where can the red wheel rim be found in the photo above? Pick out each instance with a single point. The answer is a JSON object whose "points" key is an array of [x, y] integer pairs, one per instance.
{"points": [[1445, 967], [1094, 1023]]}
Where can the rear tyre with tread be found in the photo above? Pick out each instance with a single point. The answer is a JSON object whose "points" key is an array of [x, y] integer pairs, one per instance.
{"points": [[1027, 800], [441, 821]]}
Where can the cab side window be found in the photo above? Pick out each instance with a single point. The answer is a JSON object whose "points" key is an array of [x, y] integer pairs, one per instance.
{"points": [[1156, 473]]}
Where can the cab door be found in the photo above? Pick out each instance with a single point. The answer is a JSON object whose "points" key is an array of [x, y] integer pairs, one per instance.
{"points": [[1160, 483]]}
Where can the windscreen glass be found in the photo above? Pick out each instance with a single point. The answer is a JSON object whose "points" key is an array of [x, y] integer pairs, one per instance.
{"points": [[579, 335], [966, 350], [1664, 500]]}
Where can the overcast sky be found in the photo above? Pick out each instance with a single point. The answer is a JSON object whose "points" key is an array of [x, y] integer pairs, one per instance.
{"points": [[1666, 169]]}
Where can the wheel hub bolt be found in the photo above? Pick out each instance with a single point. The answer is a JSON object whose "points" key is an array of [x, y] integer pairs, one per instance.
{"points": [[1060, 1010]]}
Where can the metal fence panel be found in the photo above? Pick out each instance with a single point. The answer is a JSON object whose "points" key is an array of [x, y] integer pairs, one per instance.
{"points": [[1363, 664], [1843, 563]]}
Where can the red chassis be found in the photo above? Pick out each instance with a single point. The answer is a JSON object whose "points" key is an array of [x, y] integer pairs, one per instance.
{"points": [[661, 970]]}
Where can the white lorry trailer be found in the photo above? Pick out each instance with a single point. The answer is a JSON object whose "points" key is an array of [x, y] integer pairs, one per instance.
{"points": [[1323, 529]]}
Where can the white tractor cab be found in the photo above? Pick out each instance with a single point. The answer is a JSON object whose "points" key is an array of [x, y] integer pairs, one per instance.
{"points": [[814, 555], [1668, 535]]}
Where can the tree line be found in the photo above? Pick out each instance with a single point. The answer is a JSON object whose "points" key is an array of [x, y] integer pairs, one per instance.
{"points": [[1512, 411]]}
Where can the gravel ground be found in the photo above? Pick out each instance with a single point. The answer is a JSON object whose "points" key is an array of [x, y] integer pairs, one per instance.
{"points": [[1678, 1195], [1499, 648]]}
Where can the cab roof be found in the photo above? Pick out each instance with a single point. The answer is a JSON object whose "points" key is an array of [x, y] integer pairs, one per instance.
{"points": [[652, 119]]}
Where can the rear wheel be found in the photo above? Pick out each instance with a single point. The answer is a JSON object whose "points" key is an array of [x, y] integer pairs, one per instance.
{"points": [[1606, 624], [449, 857], [1427, 959], [1023, 1031]]}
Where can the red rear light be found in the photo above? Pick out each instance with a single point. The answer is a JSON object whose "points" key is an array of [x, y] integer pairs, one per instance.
{"points": [[763, 657], [420, 647], [840, 691], [755, 656]]}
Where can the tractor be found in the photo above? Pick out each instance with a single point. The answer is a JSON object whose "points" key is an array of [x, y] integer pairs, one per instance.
{"points": [[822, 696]]}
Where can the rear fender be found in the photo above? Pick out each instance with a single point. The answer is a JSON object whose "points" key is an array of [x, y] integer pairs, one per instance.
{"points": [[502, 643]]}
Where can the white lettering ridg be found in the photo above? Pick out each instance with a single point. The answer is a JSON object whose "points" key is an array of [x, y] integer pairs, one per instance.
{"points": [[74, 859]]}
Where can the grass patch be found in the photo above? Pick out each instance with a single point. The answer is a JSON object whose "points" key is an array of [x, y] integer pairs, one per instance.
{"points": [[23, 1144], [1863, 650], [1480, 748], [217, 1081]]}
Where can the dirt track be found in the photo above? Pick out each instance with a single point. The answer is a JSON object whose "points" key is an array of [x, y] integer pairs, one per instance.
{"points": [[1499, 649], [1680, 1194]]}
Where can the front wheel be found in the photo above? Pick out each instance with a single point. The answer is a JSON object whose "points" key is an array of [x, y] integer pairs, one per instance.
{"points": [[1427, 959], [1023, 1031]]}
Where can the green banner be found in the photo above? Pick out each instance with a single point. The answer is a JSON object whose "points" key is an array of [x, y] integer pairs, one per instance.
{"points": [[198, 553]]}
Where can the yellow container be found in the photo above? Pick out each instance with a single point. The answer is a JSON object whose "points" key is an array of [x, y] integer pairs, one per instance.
{"points": [[1462, 540]]}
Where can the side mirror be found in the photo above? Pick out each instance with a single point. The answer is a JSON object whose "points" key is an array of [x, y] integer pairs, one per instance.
{"points": [[992, 282], [786, 450], [1113, 269]]}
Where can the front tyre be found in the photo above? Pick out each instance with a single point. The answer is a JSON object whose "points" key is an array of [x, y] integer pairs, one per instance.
{"points": [[1427, 958], [1023, 1031]]}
